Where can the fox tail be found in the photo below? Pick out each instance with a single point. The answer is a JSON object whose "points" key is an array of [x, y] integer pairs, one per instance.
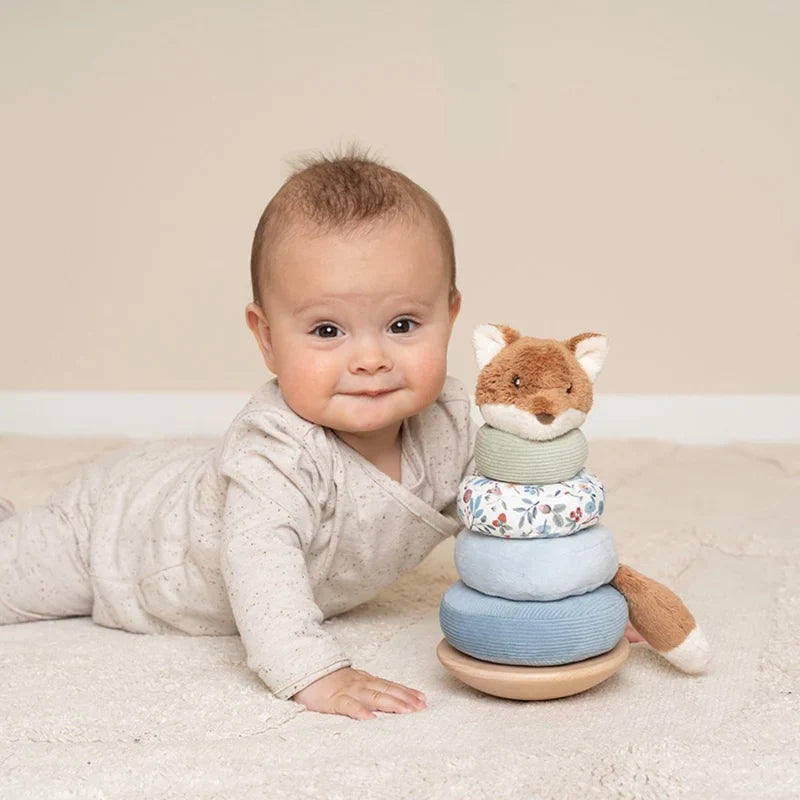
{"points": [[663, 620]]}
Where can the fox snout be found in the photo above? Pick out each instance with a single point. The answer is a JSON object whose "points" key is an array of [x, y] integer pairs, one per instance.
{"points": [[536, 417], [542, 406]]}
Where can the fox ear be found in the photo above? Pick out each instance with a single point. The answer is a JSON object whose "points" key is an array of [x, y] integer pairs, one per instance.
{"points": [[489, 340], [590, 349]]}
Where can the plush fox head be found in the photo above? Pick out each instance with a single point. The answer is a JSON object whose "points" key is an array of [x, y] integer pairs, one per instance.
{"points": [[535, 388]]}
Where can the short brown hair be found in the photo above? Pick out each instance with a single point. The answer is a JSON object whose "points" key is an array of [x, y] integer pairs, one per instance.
{"points": [[343, 192]]}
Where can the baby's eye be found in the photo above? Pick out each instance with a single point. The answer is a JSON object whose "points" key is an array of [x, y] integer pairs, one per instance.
{"points": [[402, 325], [326, 331]]}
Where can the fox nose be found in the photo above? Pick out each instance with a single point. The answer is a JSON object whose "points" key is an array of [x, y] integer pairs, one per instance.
{"points": [[545, 419]]}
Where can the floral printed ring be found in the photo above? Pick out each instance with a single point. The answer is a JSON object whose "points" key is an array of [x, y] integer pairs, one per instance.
{"points": [[530, 511]]}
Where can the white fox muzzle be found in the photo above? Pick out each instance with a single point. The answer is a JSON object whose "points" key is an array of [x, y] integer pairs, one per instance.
{"points": [[521, 423]]}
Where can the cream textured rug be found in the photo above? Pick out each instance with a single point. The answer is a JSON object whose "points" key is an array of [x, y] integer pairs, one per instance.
{"points": [[88, 712]]}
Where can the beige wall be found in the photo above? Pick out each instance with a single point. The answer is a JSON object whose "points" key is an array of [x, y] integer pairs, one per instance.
{"points": [[633, 171]]}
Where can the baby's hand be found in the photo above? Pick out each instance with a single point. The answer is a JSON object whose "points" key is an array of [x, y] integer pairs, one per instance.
{"points": [[357, 694]]}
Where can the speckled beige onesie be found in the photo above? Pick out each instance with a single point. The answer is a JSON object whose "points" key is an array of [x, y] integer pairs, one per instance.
{"points": [[278, 527]]}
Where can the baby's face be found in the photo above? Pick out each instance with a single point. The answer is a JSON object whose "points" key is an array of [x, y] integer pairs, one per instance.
{"points": [[356, 326]]}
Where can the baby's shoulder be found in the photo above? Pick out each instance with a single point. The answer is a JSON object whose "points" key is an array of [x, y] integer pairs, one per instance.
{"points": [[267, 421], [446, 421], [452, 406], [454, 391]]}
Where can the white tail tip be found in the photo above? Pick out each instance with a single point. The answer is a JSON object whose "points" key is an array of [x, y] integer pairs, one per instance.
{"points": [[692, 654]]}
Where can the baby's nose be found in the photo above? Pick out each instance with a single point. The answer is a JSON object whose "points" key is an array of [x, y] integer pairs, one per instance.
{"points": [[370, 357]]}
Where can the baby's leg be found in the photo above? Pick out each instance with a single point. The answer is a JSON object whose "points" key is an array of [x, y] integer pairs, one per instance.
{"points": [[44, 563]]}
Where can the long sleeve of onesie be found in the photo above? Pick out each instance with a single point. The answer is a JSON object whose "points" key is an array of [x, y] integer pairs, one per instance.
{"points": [[272, 511]]}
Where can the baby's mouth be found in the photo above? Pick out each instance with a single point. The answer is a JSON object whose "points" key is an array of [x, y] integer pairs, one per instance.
{"points": [[370, 393]]}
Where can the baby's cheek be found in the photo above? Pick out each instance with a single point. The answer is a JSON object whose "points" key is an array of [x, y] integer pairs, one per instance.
{"points": [[304, 387], [430, 369]]}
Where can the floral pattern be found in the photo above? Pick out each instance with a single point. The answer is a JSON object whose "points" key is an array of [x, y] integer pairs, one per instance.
{"points": [[529, 511]]}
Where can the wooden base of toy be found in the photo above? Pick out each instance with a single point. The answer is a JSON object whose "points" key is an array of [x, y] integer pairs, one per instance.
{"points": [[532, 683]]}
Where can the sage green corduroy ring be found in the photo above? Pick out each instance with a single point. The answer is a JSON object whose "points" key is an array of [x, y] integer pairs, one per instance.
{"points": [[502, 456]]}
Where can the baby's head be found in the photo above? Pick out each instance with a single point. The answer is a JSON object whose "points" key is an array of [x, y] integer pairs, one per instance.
{"points": [[354, 295]]}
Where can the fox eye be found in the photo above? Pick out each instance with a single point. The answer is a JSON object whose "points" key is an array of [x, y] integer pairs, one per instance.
{"points": [[569, 389], [516, 381]]}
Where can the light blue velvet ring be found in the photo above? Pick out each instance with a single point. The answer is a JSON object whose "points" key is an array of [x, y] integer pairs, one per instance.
{"points": [[537, 569], [532, 633]]}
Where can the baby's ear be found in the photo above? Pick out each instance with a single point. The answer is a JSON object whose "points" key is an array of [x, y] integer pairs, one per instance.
{"points": [[590, 349], [489, 340]]}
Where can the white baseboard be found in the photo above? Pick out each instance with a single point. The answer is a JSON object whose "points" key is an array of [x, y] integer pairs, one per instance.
{"points": [[688, 419], [137, 414], [696, 419]]}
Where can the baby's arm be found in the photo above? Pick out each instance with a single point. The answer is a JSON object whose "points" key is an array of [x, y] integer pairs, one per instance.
{"points": [[263, 564], [280, 623], [264, 568]]}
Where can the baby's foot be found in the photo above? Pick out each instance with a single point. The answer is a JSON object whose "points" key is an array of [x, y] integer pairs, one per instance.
{"points": [[6, 508], [632, 635]]}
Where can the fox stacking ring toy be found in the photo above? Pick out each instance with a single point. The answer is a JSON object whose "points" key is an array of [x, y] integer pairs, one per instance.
{"points": [[541, 604]]}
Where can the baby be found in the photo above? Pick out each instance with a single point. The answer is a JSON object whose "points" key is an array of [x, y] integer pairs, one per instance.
{"points": [[338, 476]]}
